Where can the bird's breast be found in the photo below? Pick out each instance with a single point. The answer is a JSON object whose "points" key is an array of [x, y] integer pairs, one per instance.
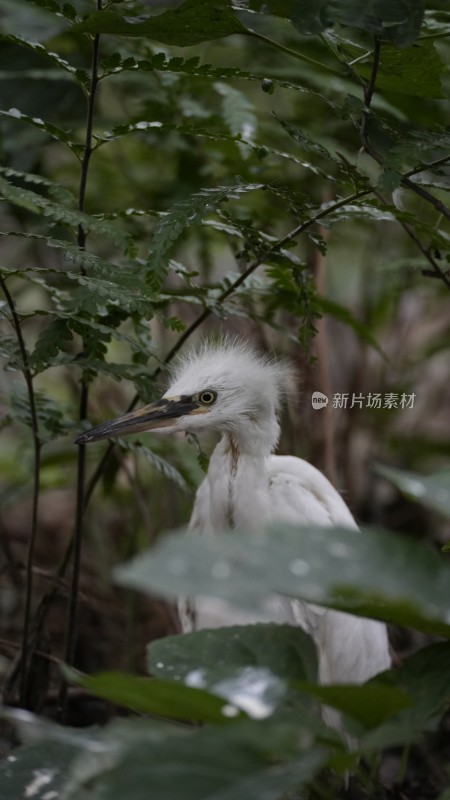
{"points": [[239, 489]]}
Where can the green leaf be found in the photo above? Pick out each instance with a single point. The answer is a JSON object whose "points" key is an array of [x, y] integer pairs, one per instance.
{"points": [[156, 461], [431, 490], [436, 23], [57, 212], [372, 574], [395, 21], [343, 314], [52, 130], [251, 760], [185, 214], [238, 114], [88, 327], [192, 22], [246, 665], [52, 421], [72, 253], [278, 8], [425, 677], [191, 66], [418, 146], [286, 651], [254, 690], [60, 193], [312, 145], [151, 696], [10, 350], [51, 340], [36, 770], [260, 151], [416, 71], [39, 49], [371, 704]]}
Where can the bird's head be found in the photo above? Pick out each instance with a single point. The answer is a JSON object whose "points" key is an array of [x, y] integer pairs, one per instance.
{"points": [[226, 387]]}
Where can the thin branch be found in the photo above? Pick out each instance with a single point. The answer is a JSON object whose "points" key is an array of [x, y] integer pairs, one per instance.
{"points": [[24, 664], [426, 195], [438, 162], [435, 271], [370, 150], [76, 542], [368, 95], [406, 181], [294, 53]]}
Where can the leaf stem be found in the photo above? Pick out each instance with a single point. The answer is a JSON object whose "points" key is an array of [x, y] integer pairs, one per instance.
{"points": [[24, 664], [360, 58], [368, 95], [294, 53]]}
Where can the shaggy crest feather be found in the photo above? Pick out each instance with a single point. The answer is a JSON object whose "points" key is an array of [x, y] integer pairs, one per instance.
{"points": [[233, 365]]}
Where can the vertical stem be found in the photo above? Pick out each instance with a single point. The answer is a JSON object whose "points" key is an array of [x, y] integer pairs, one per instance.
{"points": [[36, 486], [368, 94], [364, 133], [323, 371], [71, 633]]}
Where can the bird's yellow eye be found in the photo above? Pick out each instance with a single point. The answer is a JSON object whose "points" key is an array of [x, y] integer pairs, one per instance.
{"points": [[207, 398]]}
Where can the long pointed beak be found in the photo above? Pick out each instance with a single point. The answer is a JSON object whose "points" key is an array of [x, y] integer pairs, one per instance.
{"points": [[162, 414]]}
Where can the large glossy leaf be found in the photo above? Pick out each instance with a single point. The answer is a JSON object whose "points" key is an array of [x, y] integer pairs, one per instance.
{"points": [[396, 706], [425, 677], [373, 574], [286, 651], [36, 770], [396, 21], [151, 696], [248, 666], [371, 704], [431, 490], [192, 22], [255, 761]]}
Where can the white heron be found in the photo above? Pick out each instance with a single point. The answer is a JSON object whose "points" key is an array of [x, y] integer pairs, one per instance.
{"points": [[231, 389]]}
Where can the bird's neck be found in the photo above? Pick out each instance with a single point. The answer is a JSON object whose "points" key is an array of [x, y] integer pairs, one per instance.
{"points": [[238, 480], [256, 438]]}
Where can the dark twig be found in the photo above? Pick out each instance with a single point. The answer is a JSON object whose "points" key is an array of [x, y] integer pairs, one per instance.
{"points": [[435, 271], [430, 198], [406, 181], [370, 150], [25, 658], [76, 543], [368, 94]]}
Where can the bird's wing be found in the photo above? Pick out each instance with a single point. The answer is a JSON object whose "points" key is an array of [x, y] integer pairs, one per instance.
{"points": [[300, 494], [351, 649]]}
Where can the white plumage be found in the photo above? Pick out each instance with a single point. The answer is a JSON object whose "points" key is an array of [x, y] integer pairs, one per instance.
{"points": [[231, 389]]}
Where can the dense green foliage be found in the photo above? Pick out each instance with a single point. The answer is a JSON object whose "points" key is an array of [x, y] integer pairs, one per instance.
{"points": [[161, 171]]}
